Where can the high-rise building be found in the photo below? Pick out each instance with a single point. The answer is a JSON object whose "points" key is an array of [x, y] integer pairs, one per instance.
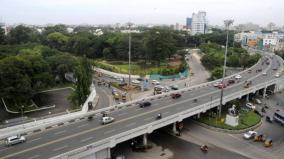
{"points": [[199, 23], [188, 22]]}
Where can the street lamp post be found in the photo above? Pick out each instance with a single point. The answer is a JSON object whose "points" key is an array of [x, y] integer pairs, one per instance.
{"points": [[227, 24], [129, 54]]}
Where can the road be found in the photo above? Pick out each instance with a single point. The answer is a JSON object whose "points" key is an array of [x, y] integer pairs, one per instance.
{"points": [[68, 137]]}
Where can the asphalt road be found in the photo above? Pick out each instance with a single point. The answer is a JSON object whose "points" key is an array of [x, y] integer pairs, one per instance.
{"points": [[66, 138]]}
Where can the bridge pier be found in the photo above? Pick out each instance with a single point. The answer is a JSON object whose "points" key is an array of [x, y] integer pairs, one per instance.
{"points": [[175, 128], [145, 140], [247, 97], [198, 115], [264, 92]]}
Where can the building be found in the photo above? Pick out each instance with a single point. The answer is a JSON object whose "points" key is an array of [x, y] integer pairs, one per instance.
{"points": [[188, 23], [199, 23]]}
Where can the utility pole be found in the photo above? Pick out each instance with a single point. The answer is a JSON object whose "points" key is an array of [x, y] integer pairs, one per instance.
{"points": [[129, 24], [227, 24]]}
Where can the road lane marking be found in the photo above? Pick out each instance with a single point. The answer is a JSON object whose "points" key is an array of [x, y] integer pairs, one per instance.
{"points": [[131, 124], [60, 148], [80, 126], [120, 121], [121, 114], [84, 140], [33, 157], [29, 141], [148, 119], [110, 131], [138, 109], [60, 132]]}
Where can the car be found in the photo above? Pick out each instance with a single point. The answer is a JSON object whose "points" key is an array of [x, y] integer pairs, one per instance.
{"points": [[216, 84], [12, 140], [249, 71], [221, 85], [107, 120], [250, 106], [238, 77], [250, 134], [144, 104], [231, 81], [264, 73], [135, 82], [155, 82], [275, 68], [269, 119], [119, 79], [166, 89], [277, 75], [268, 142], [174, 87], [175, 95], [140, 79], [258, 101]]}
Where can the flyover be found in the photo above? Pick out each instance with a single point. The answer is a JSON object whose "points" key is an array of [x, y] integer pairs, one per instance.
{"points": [[83, 138]]}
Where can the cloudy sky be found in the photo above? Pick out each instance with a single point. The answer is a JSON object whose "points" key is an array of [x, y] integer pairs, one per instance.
{"points": [[139, 11]]}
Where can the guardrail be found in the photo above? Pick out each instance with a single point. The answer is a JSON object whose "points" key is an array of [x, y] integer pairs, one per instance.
{"points": [[148, 128], [47, 123]]}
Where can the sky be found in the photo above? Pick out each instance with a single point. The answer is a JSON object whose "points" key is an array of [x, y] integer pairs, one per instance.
{"points": [[139, 11]]}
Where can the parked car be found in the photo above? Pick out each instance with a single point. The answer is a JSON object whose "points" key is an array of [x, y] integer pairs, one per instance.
{"points": [[277, 75], [12, 140], [140, 79], [155, 82], [250, 106], [250, 134], [176, 95], [107, 120], [135, 82], [144, 104]]}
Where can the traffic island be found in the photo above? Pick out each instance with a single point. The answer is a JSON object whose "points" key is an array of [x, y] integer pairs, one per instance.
{"points": [[248, 120]]}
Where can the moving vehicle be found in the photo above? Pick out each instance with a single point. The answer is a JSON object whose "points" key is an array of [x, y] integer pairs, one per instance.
{"points": [[279, 117], [216, 84], [116, 96], [175, 95], [159, 116], [258, 101], [231, 81], [107, 120], [268, 142], [204, 148], [221, 85], [259, 137], [277, 75], [135, 82], [158, 89], [250, 134], [12, 140], [144, 104], [174, 87], [264, 73], [238, 77], [250, 106], [155, 82], [269, 119]]}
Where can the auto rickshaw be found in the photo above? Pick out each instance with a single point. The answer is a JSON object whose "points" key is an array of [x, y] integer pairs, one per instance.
{"points": [[259, 137], [268, 142], [123, 97]]}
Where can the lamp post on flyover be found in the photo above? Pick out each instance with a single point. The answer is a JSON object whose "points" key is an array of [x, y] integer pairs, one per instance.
{"points": [[227, 25], [129, 24]]}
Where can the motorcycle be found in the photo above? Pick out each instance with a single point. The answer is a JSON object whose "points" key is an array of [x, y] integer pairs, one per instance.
{"points": [[159, 116], [204, 148]]}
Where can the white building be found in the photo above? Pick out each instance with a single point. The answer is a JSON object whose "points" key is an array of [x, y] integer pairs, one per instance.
{"points": [[199, 23]]}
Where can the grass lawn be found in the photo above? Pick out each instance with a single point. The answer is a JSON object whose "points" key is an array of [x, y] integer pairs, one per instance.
{"points": [[246, 120]]}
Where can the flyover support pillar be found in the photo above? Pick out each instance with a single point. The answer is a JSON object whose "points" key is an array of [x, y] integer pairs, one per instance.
{"points": [[264, 92], [247, 97], [145, 140], [108, 153], [175, 128], [198, 115]]}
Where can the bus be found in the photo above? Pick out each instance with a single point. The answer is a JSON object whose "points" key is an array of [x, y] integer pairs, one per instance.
{"points": [[279, 117]]}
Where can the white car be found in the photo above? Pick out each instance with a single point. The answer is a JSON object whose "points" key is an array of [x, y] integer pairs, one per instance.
{"points": [[155, 82], [250, 106], [107, 120], [277, 75], [258, 101], [238, 77], [216, 84], [135, 81], [250, 134], [15, 140], [264, 73]]}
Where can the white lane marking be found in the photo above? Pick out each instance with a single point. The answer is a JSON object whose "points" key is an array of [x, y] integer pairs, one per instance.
{"points": [[110, 131], [29, 141], [148, 119], [82, 125], [84, 140], [60, 132], [60, 148], [121, 114], [33, 157], [166, 113], [138, 109], [131, 124]]}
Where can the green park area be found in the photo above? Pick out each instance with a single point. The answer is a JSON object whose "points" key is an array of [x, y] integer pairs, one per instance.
{"points": [[247, 119]]}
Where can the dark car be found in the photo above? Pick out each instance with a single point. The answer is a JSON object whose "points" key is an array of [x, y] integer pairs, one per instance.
{"points": [[144, 104], [269, 119], [176, 95]]}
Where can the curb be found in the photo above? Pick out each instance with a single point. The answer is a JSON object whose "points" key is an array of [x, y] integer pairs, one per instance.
{"points": [[227, 130]]}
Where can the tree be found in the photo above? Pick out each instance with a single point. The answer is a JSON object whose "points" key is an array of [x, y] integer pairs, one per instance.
{"points": [[217, 73], [79, 44], [22, 34], [2, 36], [57, 40], [83, 73]]}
